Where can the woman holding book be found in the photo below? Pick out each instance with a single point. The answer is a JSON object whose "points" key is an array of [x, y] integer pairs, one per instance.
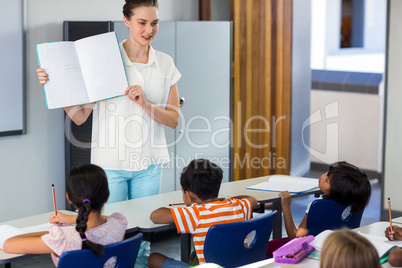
{"points": [[128, 139]]}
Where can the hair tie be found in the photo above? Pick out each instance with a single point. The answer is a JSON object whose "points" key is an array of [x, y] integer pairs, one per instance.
{"points": [[86, 200], [84, 239]]}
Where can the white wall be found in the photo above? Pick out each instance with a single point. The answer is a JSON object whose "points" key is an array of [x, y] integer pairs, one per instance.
{"points": [[393, 110], [31, 163], [348, 129]]}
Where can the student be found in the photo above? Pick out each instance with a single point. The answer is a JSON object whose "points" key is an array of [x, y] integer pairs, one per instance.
{"points": [[345, 248], [395, 256], [88, 191], [344, 183], [200, 182], [128, 138]]}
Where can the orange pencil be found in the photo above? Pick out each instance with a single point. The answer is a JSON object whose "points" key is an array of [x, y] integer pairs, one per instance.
{"points": [[389, 211], [54, 200]]}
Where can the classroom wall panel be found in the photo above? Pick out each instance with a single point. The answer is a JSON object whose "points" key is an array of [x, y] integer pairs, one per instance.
{"points": [[12, 75], [393, 113]]}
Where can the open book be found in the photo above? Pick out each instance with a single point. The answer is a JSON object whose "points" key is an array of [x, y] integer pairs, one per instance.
{"points": [[87, 70], [8, 231], [381, 243], [280, 183]]}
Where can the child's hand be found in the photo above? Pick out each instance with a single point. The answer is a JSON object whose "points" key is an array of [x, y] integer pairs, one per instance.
{"points": [[285, 198], [62, 218], [395, 234]]}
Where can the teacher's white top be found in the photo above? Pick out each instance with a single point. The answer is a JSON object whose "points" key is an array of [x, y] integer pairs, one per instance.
{"points": [[124, 136]]}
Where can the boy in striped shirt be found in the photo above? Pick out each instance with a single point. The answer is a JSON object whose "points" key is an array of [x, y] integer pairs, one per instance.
{"points": [[200, 182]]}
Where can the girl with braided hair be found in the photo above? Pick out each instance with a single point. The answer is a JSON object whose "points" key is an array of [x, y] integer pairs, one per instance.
{"points": [[87, 190]]}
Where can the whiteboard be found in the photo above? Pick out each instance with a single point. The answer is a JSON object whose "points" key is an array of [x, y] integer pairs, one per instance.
{"points": [[12, 77]]}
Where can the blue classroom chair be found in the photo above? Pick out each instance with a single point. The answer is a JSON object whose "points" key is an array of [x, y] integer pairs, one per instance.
{"points": [[225, 243], [125, 251], [326, 214]]}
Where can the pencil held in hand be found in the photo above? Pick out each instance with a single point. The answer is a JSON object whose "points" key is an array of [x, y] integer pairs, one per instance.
{"points": [[54, 200], [389, 211]]}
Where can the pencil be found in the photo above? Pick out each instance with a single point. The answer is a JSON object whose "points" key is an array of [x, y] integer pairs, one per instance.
{"points": [[176, 204], [54, 200], [389, 211]]}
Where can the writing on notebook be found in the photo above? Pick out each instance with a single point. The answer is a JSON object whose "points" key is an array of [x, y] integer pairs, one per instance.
{"points": [[292, 184]]}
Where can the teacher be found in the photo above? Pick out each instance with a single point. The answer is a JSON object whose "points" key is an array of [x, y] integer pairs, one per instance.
{"points": [[128, 138]]}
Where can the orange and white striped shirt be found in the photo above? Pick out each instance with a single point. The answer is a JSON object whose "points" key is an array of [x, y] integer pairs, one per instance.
{"points": [[197, 219]]}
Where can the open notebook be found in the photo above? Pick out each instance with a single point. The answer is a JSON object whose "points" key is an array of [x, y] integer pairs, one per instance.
{"points": [[280, 183], [381, 243], [8, 231]]}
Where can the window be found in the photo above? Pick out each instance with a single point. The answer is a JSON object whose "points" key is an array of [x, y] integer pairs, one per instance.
{"points": [[352, 23]]}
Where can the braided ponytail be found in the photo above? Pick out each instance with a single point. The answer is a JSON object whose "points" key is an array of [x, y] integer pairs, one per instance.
{"points": [[88, 190], [81, 227]]}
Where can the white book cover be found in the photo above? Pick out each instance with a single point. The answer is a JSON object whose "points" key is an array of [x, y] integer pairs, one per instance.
{"points": [[84, 71], [280, 183]]}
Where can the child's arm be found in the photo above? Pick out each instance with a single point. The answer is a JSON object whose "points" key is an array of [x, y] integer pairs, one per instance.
{"points": [[253, 200], [395, 257], [287, 216], [162, 215], [31, 243]]}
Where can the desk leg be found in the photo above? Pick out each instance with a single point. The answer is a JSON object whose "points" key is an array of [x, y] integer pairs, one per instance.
{"points": [[277, 231], [185, 247]]}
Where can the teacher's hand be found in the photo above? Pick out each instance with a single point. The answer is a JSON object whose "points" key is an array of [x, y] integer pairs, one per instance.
{"points": [[42, 76], [136, 94]]}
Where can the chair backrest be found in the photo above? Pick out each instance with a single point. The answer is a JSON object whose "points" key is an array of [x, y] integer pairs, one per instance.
{"points": [[327, 214], [225, 243], [125, 251]]}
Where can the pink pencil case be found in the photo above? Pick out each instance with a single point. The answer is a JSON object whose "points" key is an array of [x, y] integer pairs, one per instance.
{"points": [[295, 250]]}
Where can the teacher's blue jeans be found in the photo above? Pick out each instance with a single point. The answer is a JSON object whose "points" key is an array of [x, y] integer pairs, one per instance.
{"points": [[125, 185]]}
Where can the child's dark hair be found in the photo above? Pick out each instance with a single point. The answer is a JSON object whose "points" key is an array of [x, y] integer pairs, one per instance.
{"points": [[87, 189], [203, 178], [130, 5], [349, 185]]}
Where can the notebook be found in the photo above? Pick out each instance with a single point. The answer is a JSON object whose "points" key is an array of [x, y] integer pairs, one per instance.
{"points": [[381, 243], [292, 184]]}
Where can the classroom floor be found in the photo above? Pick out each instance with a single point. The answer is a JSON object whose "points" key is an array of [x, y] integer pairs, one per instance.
{"points": [[168, 243]]}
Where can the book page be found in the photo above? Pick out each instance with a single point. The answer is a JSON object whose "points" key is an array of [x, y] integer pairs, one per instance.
{"points": [[102, 66], [280, 183], [66, 85], [381, 243], [38, 228], [7, 231]]}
